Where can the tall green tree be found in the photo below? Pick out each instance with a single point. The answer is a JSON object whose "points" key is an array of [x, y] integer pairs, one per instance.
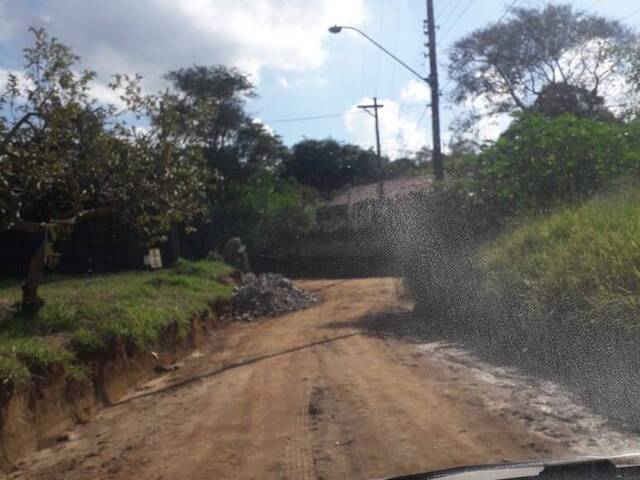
{"points": [[511, 63], [329, 165], [64, 158]]}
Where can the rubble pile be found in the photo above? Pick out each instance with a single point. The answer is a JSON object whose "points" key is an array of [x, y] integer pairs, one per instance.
{"points": [[268, 294]]}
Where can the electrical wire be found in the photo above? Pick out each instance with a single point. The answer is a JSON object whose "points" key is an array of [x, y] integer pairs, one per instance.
{"points": [[331, 115], [593, 4], [444, 9], [442, 37], [507, 10], [312, 117], [399, 16], [422, 115], [380, 25], [635, 12], [451, 13]]}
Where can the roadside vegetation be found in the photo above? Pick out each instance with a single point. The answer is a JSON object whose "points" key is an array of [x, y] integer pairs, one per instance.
{"points": [[86, 315], [583, 255], [204, 170], [79, 177], [550, 208]]}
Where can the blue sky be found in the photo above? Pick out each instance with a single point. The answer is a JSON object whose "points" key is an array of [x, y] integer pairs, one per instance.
{"points": [[300, 69]]}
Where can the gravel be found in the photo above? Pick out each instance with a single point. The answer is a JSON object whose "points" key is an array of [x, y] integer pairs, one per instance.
{"points": [[266, 295]]}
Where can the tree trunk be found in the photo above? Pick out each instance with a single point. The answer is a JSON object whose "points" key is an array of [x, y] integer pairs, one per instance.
{"points": [[35, 272], [174, 239]]}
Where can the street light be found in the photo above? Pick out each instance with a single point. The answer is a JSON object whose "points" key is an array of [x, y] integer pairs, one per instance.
{"points": [[338, 28], [432, 81]]}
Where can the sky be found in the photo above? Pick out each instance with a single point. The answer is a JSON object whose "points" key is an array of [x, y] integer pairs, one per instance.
{"points": [[299, 69]]}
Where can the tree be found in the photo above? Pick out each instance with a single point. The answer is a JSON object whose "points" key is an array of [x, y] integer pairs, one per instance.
{"points": [[559, 98], [510, 64], [539, 161], [259, 150], [632, 55], [328, 165], [66, 158], [206, 108]]}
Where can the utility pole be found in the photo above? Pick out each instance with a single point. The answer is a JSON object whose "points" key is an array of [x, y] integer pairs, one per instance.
{"points": [[375, 108], [435, 92]]}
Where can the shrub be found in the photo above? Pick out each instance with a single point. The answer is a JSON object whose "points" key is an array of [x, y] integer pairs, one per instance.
{"points": [[539, 162]]}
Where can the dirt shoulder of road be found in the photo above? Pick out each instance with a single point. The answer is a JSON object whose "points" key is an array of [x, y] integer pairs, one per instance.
{"points": [[313, 394]]}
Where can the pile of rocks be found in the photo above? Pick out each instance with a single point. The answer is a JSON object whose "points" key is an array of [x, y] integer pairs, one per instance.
{"points": [[268, 294]]}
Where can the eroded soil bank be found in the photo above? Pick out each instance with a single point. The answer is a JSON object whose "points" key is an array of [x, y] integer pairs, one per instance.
{"points": [[316, 394], [37, 415]]}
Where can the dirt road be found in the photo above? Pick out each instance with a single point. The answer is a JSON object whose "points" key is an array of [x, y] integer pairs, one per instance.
{"points": [[307, 395]]}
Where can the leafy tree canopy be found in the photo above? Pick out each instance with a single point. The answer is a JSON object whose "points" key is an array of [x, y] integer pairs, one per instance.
{"points": [[559, 98], [539, 161], [65, 156], [206, 107], [510, 64], [329, 165]]}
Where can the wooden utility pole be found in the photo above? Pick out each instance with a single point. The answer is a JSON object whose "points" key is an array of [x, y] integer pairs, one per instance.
{"points": [[435, 92], [375, 108]]}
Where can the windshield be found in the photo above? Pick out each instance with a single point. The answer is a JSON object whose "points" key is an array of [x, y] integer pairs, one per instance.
{"points": [[323, 239]]}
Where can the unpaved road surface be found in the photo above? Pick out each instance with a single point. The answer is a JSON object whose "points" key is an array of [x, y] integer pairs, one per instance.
{"points": [[312, 394]]}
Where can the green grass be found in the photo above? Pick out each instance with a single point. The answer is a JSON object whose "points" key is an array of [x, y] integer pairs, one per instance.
{"points": [[588, 255], [85, 314]]}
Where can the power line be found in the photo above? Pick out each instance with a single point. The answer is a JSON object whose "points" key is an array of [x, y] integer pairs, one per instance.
{"points": [[451, 12], [422, 115], [399, 14], [464, 10], [444, 9], [312, 117], [332, 115], [635, 12], [380, 24], [507, 10], [596, 2]]}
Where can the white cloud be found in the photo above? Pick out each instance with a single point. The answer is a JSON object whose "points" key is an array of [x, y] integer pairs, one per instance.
{"points": [[489, 126], [415, 92], [316, 81], [259, 121], [106, 95], [153, 36], [284, 83], [400, 133]]}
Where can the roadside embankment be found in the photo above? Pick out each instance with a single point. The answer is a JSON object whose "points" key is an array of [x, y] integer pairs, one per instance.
{"points": [[96, 337], [557, 295]]}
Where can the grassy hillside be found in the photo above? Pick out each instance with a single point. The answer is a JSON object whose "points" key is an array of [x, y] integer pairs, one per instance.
{"points": [[83, 315], [587, 255]]}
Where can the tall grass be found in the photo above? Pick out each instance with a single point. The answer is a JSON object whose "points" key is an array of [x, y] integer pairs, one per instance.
{"points": [[588, 255]]}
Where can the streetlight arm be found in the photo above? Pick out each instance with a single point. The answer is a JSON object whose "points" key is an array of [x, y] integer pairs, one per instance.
{"points": [[336, 29]]}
